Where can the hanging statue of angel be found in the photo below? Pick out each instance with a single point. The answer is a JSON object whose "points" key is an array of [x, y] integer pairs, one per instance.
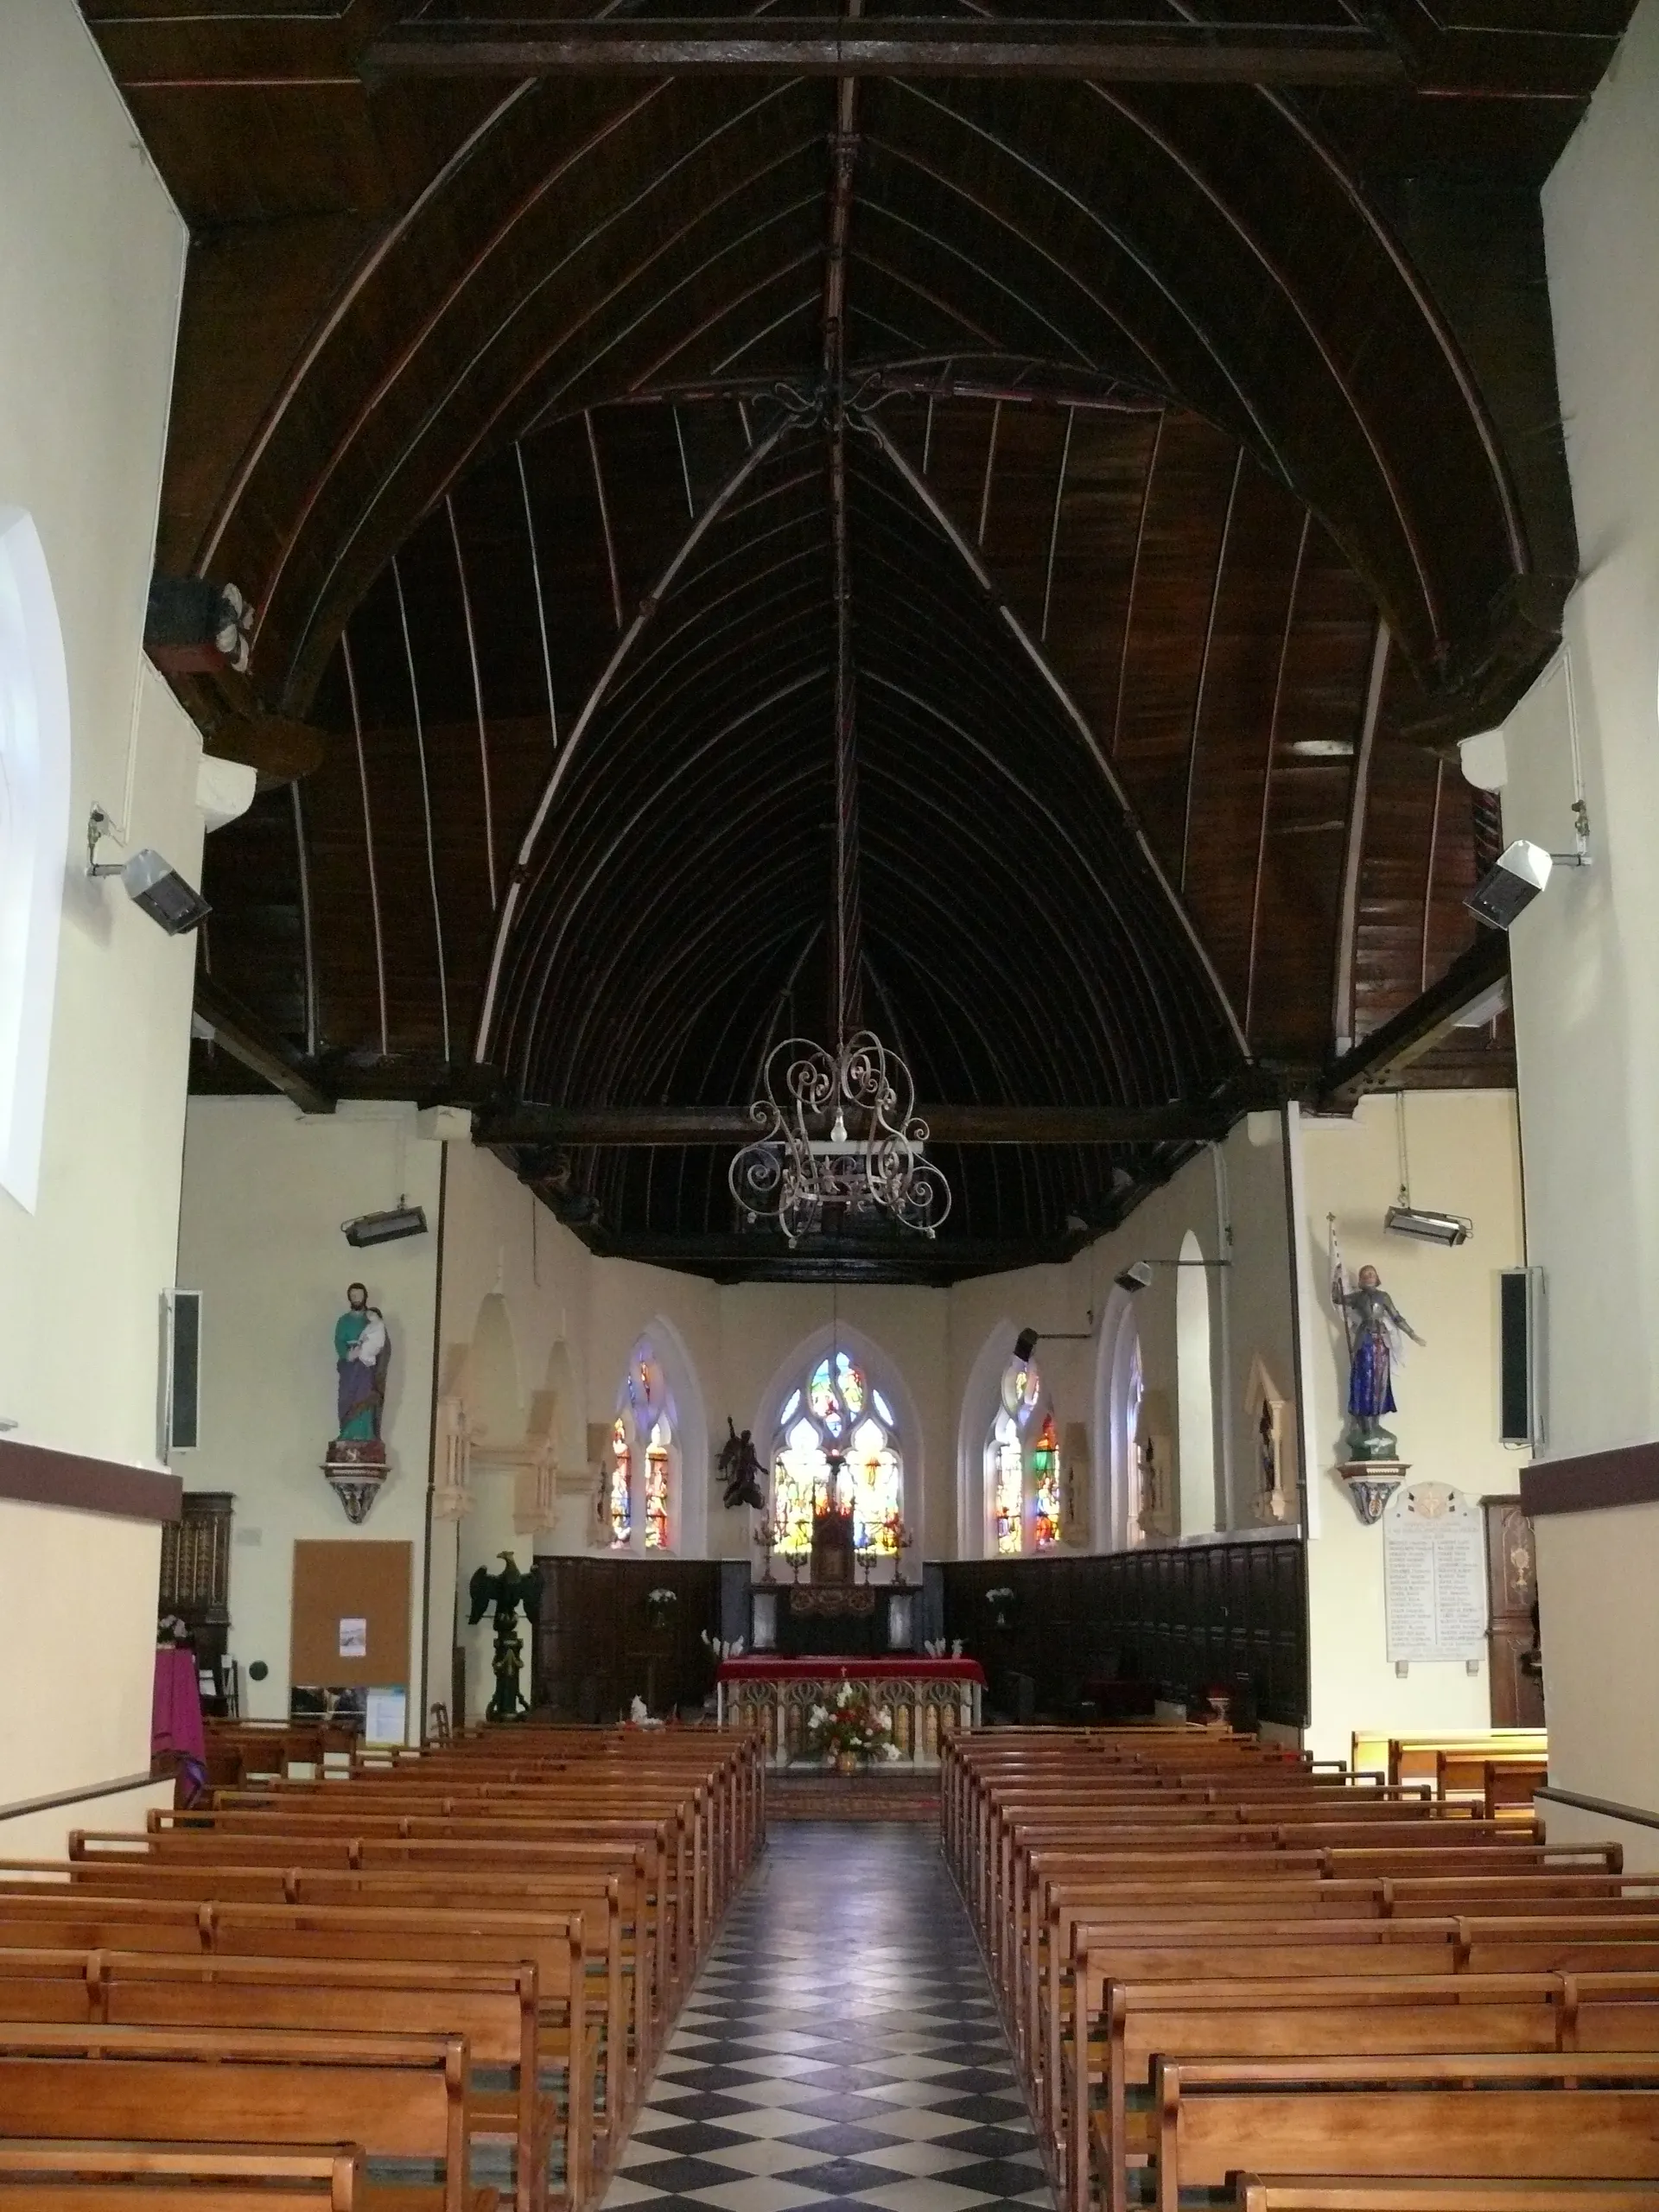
{"points": [[1374, 1325], [739, 1466]]}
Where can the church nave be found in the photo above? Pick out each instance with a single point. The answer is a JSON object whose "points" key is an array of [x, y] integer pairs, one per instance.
{"points": [[842, 2045]]}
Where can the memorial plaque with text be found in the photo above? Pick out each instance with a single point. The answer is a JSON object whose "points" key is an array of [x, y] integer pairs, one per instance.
{"points": [[1434, 1574]]}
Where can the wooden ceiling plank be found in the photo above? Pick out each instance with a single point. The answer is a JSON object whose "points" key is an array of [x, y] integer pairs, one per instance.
{"points": [[1267, 772], [1342, 1017], [368, 840]]}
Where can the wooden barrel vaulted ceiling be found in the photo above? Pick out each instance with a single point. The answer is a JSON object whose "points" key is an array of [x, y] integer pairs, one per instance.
{"points": [[1203, 484]]}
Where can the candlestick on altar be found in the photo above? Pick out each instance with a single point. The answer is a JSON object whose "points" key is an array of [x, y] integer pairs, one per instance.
{"points": [[767, 1536]]}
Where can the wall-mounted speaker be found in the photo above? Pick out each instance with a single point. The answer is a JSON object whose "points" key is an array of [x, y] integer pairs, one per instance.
{"points": [[180, 1371], [1521, 1357]]}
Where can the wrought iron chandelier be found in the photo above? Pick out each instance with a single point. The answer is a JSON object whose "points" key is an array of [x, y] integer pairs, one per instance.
{"points": [[839, 1140]]}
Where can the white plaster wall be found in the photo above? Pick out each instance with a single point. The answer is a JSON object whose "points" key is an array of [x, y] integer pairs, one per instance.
{"points": [[1463, 1153], [1250, 1308], [534, 1333], [1587, 982], [1587, 1000], [92, 257], [266, 1189]]}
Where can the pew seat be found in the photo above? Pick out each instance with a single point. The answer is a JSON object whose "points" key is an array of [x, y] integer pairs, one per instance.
{"points": [[405, 2099], [1434, 2193], [96, 2176], [1545, 2115]]}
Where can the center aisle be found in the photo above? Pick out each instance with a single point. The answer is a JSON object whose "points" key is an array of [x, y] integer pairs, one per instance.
{"points": [[840, 2047]]}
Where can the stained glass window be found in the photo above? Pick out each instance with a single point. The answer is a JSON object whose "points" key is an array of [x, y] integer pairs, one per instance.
{"points": [[620, 1487], [1045, 1487], [656, 1488], [1006, 1466], [835, 1410], [1007, 1447], [643, 1447]]}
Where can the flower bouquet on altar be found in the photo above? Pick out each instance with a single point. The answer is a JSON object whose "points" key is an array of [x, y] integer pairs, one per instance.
{"points": [[851, 1728]]}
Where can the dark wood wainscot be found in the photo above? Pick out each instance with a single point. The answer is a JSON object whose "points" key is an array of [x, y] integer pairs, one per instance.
{"points": [[1512, 1591], [196, 1583], [1107, 1635], [600, 1643]]}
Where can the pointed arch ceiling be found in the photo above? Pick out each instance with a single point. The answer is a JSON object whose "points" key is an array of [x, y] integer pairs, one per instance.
{"points": [[1210, 504]]}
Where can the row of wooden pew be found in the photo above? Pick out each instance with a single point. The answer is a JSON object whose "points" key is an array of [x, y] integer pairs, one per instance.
{"points": [[434, 1985], [1495, 1770], [1221, 1965]]}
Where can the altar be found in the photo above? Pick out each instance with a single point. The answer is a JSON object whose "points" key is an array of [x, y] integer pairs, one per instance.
{"points": [[929, 1698]]}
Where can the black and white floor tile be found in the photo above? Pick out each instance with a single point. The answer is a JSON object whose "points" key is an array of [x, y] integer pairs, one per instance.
{"points": [[841, 2048]]}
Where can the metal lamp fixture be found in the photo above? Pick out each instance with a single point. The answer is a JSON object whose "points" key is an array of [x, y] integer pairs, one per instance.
{"points": [[1425, 1224], [397, 1221], [839, 1133]]}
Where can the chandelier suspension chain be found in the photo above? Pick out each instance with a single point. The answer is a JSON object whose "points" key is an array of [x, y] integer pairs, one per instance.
{"points": [[807, 1169]]}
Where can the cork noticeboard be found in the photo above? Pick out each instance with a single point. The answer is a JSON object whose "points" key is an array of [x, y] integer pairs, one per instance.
{"points": [[351, 1598]]}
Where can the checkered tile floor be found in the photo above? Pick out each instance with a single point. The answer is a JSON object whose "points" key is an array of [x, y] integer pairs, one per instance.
{"points": [[841, 2048]]}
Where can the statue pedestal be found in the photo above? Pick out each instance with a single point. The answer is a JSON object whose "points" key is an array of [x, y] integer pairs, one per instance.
{"points": [[1371, 1483], [354, 1470]]}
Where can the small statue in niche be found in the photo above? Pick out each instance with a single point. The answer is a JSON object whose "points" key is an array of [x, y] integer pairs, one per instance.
{"points": [[1374, 1325], [739, 1468], [362, 1355], [506, 1591]]}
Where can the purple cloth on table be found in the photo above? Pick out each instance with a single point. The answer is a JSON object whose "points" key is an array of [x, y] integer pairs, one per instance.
{"points": [[175, 1711]]}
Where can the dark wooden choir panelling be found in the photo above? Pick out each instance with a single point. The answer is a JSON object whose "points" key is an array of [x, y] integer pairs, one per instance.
{"points": [[598, 1647], [1127, 1627]]}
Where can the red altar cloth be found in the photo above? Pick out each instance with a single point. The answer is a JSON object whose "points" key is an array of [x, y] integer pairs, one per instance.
{"points": [[762, 1667], [176, 1706]]}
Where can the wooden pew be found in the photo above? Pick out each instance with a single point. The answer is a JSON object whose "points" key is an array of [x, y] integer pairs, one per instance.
{"points": [[1328, 2016], [548, 1945], [400, 2096], [496, 2009], [1595, 1954], [1441, 2193], [1460, 2113], [83, 2177], [624, 1973]]}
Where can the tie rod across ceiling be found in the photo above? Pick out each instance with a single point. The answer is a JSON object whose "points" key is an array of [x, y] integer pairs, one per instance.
{"points": [[1122, 53]]}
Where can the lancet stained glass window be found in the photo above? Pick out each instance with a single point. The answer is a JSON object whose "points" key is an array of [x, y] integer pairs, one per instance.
{"points": [[619, 1496], [1005, 1458], [1007, 1466], [835, 1411], [643, 1449], [656, 1488], [1045, 1487]]}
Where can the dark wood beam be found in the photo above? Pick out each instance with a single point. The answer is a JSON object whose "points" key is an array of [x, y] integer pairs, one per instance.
{"points": [[676, 1125], [1122, 53], [247, 1038], [757, 1257], [1379, 1059]]}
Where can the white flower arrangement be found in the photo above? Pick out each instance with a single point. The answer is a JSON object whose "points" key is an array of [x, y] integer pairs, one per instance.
{"points": [[852, 1725]]}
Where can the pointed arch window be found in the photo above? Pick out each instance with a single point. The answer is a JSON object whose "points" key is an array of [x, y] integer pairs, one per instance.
{"points": [[1019, 1445], [644, 1456], [620, 1487], [836, 1438], [657, 1464]]}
